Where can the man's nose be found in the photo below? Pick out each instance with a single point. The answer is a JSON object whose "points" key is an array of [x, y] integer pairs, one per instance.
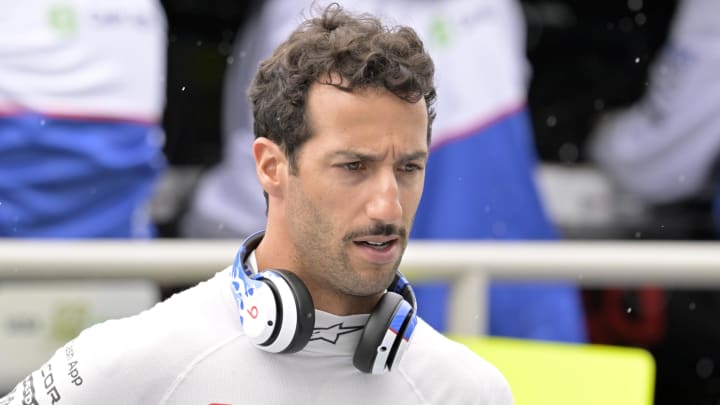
{"points": [[384, 204]]}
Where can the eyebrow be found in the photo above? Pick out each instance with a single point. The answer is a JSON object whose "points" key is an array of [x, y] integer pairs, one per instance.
{"points": [[356, 155]]}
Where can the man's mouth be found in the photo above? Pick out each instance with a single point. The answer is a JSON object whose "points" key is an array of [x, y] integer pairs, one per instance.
{"points": [[376, 243]]}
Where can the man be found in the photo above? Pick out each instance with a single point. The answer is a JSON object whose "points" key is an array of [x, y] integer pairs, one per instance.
{"points": [[480, 184], [343, 111]]}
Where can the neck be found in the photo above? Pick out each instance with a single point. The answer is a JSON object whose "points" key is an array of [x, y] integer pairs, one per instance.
{"points": [[276, 251]]}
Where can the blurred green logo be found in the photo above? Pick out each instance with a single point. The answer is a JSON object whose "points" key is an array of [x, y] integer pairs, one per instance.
{"points": [[63, 19], [440, 31], [68, 320]]}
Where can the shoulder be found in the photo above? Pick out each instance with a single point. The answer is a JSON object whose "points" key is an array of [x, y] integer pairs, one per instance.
{"points": [[172, 332], [449, 372], [139, 359]]}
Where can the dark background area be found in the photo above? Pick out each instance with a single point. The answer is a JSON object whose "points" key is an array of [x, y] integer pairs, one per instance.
{"points": [[200, 37], [587, 57]]}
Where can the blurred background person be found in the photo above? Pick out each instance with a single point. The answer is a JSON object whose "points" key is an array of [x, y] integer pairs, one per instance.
{"points": [[664, 150], [81, 100], [82, 93], [480, 180]]}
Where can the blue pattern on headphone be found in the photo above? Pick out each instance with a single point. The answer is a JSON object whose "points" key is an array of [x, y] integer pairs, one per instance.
{"points": [[242, 281], [402, 286]]}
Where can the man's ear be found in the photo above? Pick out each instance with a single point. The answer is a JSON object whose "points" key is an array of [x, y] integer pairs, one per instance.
{"points": [[270, 165]]}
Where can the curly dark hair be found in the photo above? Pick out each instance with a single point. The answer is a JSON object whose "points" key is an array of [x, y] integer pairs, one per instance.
{"points": [[359, 49]]}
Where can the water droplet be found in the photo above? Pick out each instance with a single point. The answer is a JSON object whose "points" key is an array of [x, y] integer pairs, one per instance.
{"points": [[229, 60], [637, 60], [635, 5], [704, 367], [182, 88], [499, 228], [224, 48], [598, 104], [640, 19], [568, 153], [551, 121], [629, 310], [638, 234], [626, 24]]}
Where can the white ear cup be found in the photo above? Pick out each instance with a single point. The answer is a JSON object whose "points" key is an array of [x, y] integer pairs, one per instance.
{"points": [[287, 319], [403, 341], [258, 314], [386, 352]]}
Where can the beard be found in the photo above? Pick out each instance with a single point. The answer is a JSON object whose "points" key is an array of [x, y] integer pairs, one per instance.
{"points": [[323, 251]]}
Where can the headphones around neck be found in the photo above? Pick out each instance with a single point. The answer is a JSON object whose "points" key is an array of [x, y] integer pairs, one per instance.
{"points": [[277, 314]]}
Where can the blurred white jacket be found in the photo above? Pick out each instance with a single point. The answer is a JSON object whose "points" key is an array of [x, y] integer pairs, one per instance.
{"points": [[665, 147], [84, 59]]}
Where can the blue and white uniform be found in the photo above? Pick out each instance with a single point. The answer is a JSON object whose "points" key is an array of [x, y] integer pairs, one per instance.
{"points": [[82, 88]]}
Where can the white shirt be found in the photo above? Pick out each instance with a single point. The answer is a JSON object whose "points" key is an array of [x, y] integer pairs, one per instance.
{"points": [[191, 349]]}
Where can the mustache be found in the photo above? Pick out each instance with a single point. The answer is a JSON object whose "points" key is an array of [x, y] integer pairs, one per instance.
{"points": [[378, 229]]}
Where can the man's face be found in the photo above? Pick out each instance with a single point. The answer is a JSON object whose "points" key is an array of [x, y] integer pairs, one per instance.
{"points": [[360, 176]]}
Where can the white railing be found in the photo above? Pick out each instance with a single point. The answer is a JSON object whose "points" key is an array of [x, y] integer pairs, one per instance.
{"points": [[467, 265]]}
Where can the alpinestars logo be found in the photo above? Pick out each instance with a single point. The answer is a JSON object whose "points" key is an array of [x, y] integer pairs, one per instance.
{"points": [[332, 333]]}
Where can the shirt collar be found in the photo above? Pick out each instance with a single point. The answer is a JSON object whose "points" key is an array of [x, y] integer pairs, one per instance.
{"points": [[332, 334]]}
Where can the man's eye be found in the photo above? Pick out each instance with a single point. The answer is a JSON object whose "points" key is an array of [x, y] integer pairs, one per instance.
{"points": [[353, 166], [411, 167]]}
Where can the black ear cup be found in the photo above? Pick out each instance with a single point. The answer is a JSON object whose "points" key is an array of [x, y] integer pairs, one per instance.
{"points": [[371, 341], [302, 303]]}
